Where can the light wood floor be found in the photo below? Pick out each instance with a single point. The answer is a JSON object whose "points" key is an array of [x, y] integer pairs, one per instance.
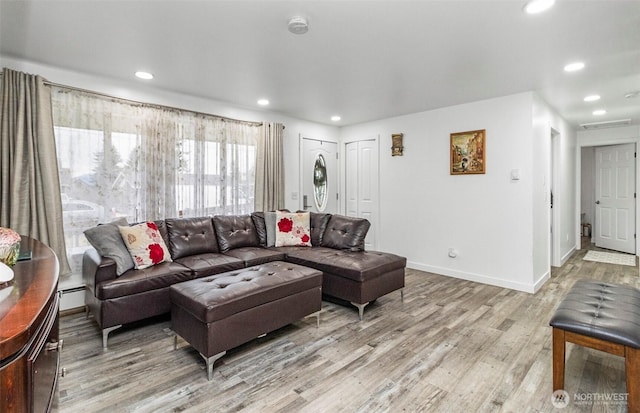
{"points": [[452, 346]]}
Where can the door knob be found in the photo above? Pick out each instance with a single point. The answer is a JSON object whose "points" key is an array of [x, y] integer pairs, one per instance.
{"points": [[597, 202]]}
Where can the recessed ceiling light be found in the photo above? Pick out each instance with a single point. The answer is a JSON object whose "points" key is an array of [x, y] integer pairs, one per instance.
{"points": [[632, 95], [263, 102], [144, 75], [335, 118], [572, 67], [599, 112], [537, 6], [592, 98]]}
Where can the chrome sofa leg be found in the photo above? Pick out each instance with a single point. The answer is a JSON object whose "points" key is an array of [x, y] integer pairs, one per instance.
{"points": [[105, 334], [360, 308], [317, 316], [402, 295], [210, 361]]}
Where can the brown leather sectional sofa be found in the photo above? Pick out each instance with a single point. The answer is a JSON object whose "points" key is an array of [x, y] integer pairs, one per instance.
{"points": [[206, 246]]}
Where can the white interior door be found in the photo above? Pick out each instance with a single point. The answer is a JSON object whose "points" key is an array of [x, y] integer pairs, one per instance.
{"points": [[361, 189], [319, 175], [615, 198]]}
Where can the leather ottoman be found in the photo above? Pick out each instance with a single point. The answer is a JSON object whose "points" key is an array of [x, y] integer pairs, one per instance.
{"points": [[219, 312]]}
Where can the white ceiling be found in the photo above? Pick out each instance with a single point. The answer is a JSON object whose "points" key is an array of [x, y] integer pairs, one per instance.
{"points": [[363, 60]]}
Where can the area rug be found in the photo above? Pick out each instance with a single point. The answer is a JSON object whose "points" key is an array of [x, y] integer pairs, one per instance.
{"points": [[611, 258]]}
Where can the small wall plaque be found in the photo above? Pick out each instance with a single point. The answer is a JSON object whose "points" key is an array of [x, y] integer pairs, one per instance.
{"points": [[396, 144]]}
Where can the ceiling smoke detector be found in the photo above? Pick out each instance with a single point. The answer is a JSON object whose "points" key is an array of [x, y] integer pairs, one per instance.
{"points": [[605, 124], [298, 25]]}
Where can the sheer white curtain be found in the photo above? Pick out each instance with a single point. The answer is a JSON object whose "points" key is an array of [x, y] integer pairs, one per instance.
{"points": [[143, 162]]}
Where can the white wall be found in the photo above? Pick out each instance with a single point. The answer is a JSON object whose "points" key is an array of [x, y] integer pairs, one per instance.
{"points": [[551, 133], [488, 219], [144, 92]]}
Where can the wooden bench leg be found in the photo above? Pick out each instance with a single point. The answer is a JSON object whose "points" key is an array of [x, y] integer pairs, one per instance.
{"points": [[558, 359], [632, 367]]}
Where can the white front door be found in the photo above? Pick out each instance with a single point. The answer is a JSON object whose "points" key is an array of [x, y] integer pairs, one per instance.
{"points": [[319, 175], [615, 198], [361, 196]]}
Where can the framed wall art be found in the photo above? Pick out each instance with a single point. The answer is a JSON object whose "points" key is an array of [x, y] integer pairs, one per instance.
{"points": [[396, 144], [468, 152]]}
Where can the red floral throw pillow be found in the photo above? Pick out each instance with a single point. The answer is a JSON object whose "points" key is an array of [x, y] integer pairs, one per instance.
{"points": [[145, 244], [293, 229]]}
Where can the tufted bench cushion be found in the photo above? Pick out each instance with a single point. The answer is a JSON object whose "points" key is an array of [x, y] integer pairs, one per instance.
{"points": [[604, 317], [219, 296], [606, 311]]}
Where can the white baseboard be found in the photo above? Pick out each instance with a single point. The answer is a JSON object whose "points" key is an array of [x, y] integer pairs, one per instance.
{"points": [[568, 255], [538, 284], [484, 279]]}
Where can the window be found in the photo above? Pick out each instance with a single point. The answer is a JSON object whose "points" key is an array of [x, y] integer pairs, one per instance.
{"points": [[118, 159]]}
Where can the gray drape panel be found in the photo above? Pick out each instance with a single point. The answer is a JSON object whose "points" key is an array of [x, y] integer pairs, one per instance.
{"points": [[30, 201], [269, 190]]}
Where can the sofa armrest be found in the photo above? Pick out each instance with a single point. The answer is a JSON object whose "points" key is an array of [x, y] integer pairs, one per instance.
{"points": [[96, 269]]}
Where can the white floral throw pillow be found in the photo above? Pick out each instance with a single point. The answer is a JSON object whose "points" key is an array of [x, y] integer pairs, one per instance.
{"points": [[145, 244], [293, 229]]}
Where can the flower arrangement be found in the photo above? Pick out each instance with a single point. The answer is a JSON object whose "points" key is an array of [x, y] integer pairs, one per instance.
{"points": [[9, 246]]}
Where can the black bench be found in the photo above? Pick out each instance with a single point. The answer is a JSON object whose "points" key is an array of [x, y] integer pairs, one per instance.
{"points": [[604, 317]]}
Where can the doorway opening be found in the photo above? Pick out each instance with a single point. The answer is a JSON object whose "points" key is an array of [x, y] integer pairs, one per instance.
{"points": [[608, 182]]}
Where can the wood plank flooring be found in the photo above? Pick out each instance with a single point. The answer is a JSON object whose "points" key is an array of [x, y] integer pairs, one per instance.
{"points": [[452, 346]]}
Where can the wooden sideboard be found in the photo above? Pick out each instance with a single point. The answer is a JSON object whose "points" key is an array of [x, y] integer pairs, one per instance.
{"points": [[29, 333]]}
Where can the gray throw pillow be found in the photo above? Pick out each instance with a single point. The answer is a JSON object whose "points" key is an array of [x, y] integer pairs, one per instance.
{"points": [[106, 239], [270, 224]]}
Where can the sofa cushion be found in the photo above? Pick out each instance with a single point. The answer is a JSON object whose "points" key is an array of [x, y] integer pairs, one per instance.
{"points": [[256, 255], [358, 266], [258, 221], [138, 281], [203, 265], [191, 236], [145, 244], [293, 229], [106, 239], [345, 233], [318, 222], [235, 231]]}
